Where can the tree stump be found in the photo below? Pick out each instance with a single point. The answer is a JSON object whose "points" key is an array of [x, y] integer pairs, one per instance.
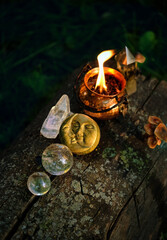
{"points": [[116, 192]]}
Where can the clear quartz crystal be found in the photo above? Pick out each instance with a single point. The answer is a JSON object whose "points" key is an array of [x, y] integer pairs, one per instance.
{"points": [[39, 183], [130, 58], [57, 114], [57, 159]]}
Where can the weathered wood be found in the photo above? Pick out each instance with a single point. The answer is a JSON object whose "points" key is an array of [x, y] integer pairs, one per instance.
{"points": [[89, 201], [147, 209], [156, 104], [21, 160]]}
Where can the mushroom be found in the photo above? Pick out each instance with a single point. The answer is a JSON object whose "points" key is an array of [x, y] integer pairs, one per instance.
{"points": [[158, 141], [156, 130], [154, 120], [149, 128], [161, 132], [152, 142], [140, 58]]}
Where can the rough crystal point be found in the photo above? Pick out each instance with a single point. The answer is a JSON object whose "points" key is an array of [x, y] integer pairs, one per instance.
{"points": [[130, 58], [57, 114]]}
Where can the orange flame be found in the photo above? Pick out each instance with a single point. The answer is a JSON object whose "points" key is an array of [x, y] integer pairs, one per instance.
{"points": [[103, 57]]}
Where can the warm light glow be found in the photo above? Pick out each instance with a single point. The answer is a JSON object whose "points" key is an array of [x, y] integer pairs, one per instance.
{"points": [[125, 61], [103, 57]]}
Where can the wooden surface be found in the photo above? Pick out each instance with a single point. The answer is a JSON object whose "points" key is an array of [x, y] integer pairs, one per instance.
{"points": [[116, 192]]}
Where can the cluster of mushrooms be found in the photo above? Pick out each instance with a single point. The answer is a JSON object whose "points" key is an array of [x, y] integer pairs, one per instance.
{"points": [[156, 130]]}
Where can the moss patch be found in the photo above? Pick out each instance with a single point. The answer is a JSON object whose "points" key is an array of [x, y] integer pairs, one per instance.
{"points": [[109, 152], [131, 159]]}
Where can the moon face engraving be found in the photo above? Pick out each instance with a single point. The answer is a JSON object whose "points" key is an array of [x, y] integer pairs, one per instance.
{"points": [[80, 133]]}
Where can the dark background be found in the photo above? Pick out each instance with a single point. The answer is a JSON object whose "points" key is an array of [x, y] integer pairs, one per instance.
{"points": [[43, 41]]}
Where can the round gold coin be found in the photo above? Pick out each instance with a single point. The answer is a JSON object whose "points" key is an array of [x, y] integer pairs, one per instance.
{"points": [[80, 134]]}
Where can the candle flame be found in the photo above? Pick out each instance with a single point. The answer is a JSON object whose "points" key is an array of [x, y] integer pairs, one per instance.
{"points": [[103, 57]]}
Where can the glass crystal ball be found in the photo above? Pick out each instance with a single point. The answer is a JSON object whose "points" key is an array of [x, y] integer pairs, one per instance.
{"points": [[57, 159], [39, 183]]}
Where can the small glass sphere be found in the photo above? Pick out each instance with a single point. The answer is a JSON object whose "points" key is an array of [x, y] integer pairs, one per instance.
{"points": [[57, 159], [39, 183]]}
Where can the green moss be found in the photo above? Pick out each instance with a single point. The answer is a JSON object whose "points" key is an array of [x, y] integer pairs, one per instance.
{"points": [[109, 152], [131, 159]]}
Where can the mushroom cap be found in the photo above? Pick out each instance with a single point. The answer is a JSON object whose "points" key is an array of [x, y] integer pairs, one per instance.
{"points": [[140, 58], [161, 132], [158, 141], [152, 142], [149, 128], [154, 120]]}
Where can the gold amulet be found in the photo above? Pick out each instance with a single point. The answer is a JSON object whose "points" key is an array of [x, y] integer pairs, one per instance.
{"points": [[80, 133]]}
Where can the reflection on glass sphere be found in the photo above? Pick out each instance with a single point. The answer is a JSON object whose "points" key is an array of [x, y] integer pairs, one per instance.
{"points": [[57, 159], [39, 183]]}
